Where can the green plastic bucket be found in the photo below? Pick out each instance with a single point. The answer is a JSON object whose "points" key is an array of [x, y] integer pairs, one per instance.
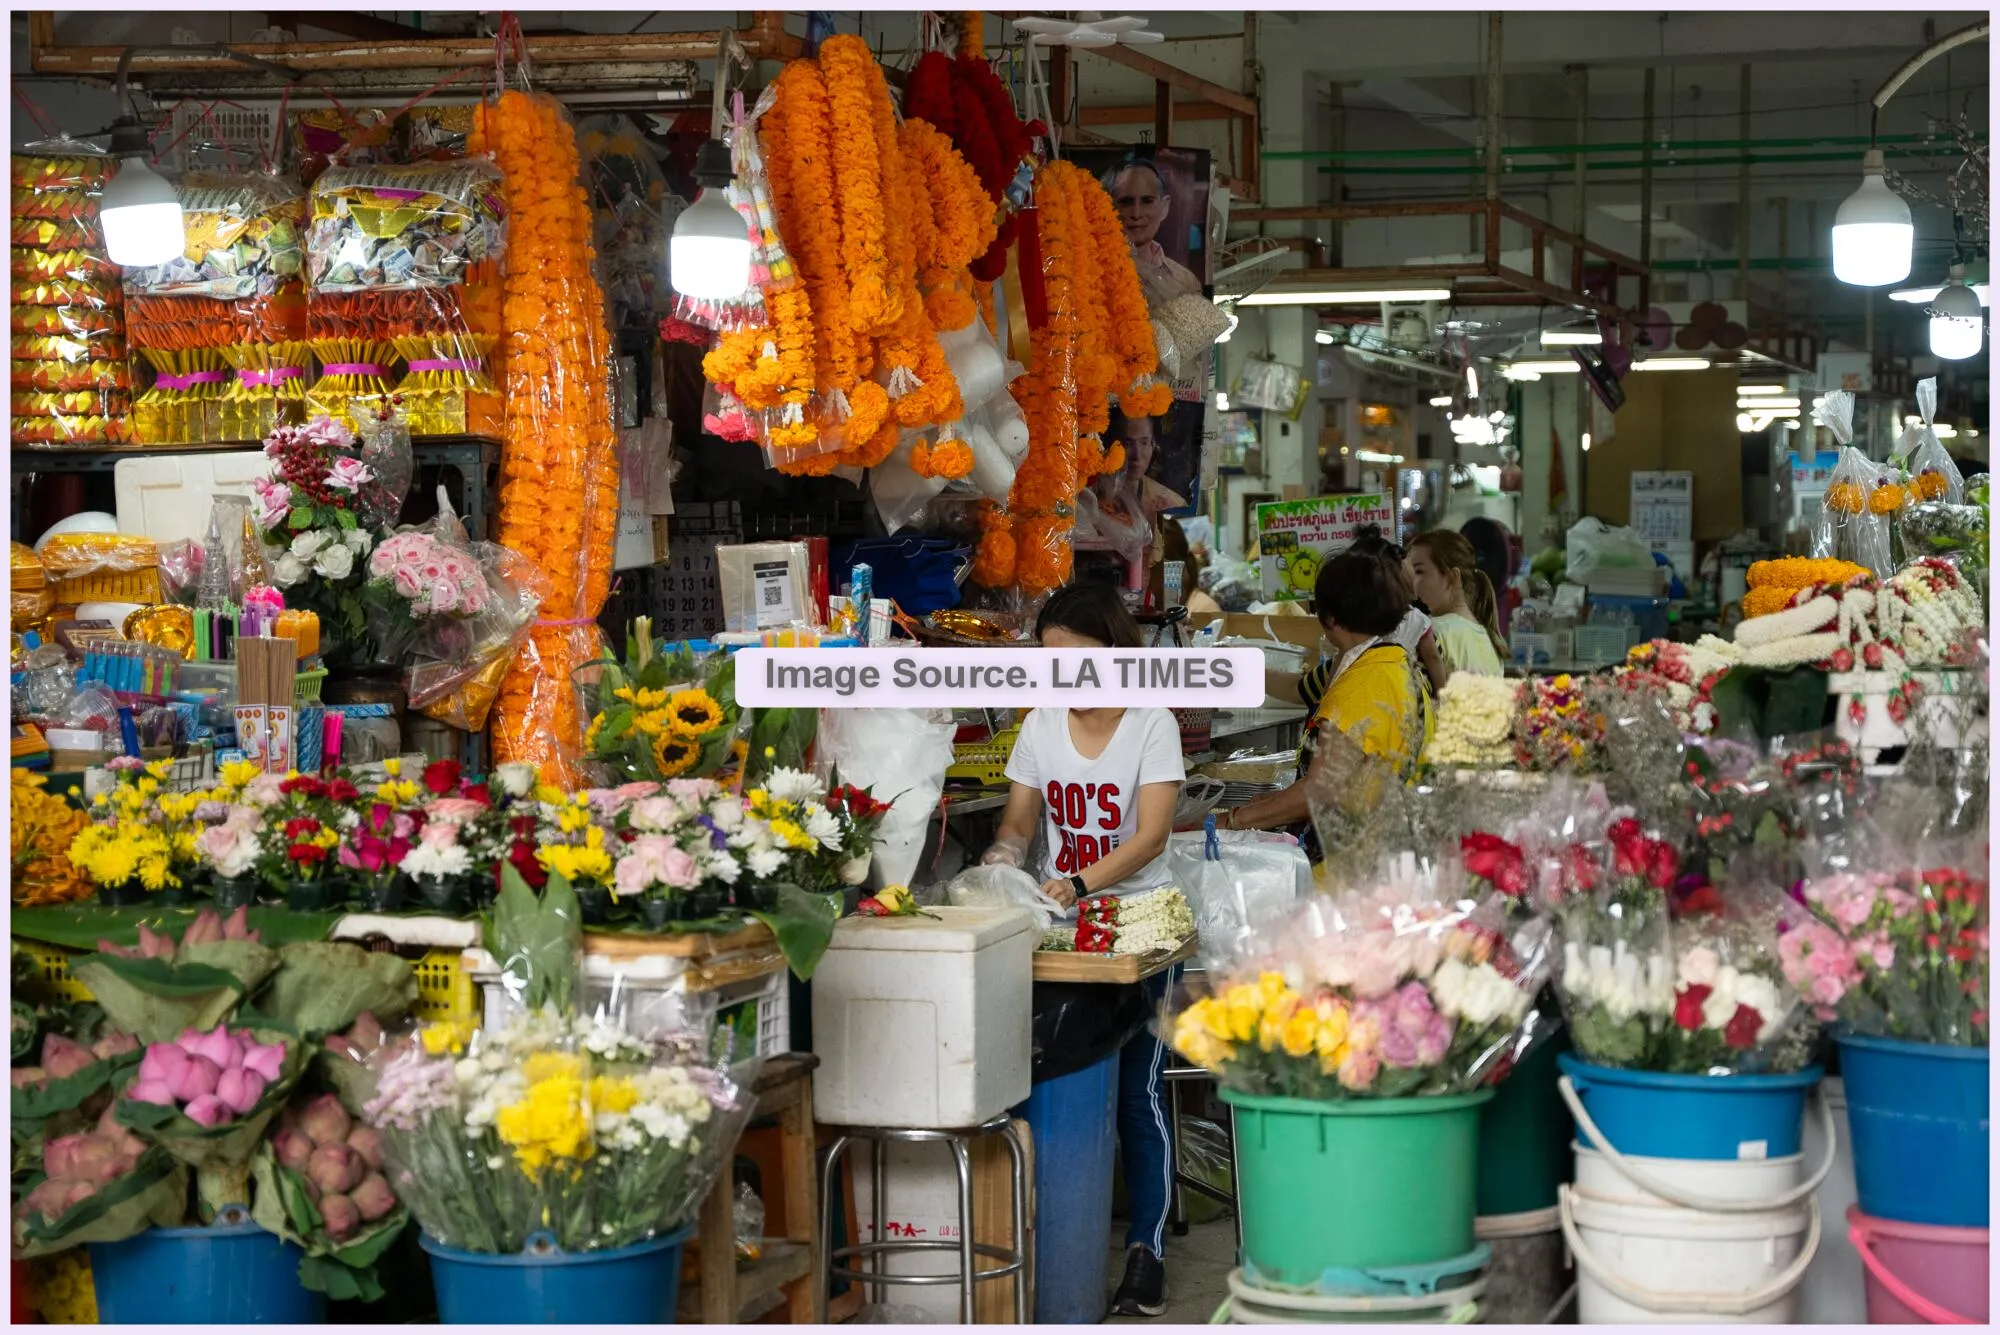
{"points": [[1364, 1184], [1525, 1135]]}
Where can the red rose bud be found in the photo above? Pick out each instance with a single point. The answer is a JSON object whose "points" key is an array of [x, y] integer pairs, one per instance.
{"points": [[441, 776]]}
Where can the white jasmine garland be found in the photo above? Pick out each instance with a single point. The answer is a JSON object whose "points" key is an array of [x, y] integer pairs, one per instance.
{"points": [[1785, 625], [1475, 718], [1793, 650]]}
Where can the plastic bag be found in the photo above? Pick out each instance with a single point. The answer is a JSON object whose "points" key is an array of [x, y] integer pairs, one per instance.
{"points": [[72, 555], [1236, 882], [461, 690], [1851, 526], [901, 753], [635, 216], [67, 327], [425, 590], [1934, 475], [421, 225], [1592, 545], [999, 886], [749, 1220], [1077, 1025], [244, 232]]}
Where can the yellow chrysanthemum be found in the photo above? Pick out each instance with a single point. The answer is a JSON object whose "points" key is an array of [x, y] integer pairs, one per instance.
{"points": [[542, 1066], [612, 1094], [792, 835], [445, 1036], [549, 1124]]}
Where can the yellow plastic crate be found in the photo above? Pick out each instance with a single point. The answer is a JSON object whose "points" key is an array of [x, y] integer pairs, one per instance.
{"points": [[444, 989], [52, 970], [984, 763]]}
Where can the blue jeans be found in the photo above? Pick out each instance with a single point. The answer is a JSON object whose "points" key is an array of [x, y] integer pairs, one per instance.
{"points": [[1145, 1144]]}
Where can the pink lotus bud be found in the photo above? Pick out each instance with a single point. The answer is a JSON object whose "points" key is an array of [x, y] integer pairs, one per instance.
{"points": [[326, 1122], [240, 1090], [335, 1167], [313, 1193], [366, 1032], [117, 1166], [366, 1141], [114, 1045], [206, 927], [24, 1076], [208, 1110], [154, 945], [266, 1059], [220, 1048], [119, 1134], [64, 1057], [237, 926], [59, 1156], [189, 1040], [163, 1062], [152, 1091], [91, 1157], [75, 1194], [293, 1148], [197, 1078], [341, 1215], [373, 1197]]}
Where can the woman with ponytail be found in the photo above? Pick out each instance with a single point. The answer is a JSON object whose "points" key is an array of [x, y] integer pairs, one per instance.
{"points": [[1464, 613]]}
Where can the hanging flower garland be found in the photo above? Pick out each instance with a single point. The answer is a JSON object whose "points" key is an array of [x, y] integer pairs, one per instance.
{"points": [[963, 223], [559, 462], [851, 75]]}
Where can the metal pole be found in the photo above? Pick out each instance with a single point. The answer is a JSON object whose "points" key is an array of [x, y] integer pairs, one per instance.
{"points": [[1580, 84], [1646, 193], [1494, 104], [1743, 189]]}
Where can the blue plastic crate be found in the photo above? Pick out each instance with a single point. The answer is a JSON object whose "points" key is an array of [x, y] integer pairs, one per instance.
{"points": [[1649, 614]]}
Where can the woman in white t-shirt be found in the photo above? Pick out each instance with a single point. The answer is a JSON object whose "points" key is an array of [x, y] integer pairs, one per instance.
{"points": [[1104, 783]]}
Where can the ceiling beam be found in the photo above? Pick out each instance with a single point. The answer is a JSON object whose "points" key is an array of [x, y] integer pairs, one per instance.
{"points": [[362, 27], [1145, 115]]}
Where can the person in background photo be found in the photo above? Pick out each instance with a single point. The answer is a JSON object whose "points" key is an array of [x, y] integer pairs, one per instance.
{"points": [[1139, 192], [1104, 782], [1446, 576]]}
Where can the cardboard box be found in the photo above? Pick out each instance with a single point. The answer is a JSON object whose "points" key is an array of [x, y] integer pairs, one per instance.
{"points": [[1300, 630]]}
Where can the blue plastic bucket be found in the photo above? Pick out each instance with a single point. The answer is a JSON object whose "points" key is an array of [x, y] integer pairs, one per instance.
{"points": [[227, 1275], [628, 1286], [1656, 1116], [1074, 1121], [1921, 1115]]}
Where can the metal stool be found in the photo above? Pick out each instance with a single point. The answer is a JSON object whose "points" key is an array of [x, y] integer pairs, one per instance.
{"points": [[1014, 1262]]}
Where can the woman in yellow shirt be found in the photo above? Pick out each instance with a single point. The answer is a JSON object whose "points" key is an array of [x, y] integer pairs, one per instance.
{"points": [[1377, 697]]}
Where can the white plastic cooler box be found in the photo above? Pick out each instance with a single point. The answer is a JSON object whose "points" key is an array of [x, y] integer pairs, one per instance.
{"points": [[924, 1022]]}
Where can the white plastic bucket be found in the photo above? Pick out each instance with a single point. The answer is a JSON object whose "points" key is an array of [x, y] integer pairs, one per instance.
{"points": [[1743, 1184], [1252, 1306], [1665, 1265]]}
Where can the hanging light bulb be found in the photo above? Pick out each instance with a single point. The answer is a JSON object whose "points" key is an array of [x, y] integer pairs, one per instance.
{"points": [[709, 256], [140, 213], [1958, 326], [1872, 233]]}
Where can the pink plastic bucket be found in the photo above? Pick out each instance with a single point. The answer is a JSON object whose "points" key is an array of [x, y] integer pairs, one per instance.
{"points": [[1921, 1274]]}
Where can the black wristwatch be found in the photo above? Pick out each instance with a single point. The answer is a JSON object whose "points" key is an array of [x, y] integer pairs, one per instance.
{"points": [[1081, 888]]}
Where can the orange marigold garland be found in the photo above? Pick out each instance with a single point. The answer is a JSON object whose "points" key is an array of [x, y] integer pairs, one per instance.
{"points": [[559, 462], [851, 75]]}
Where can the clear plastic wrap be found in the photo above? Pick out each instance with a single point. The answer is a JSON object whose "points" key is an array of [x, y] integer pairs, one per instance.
{"points": [[634, 219], [1392, 988], [425, 590], [900, 751], [1859, 501], [1236, 882], [461, 691], [1898, 941], [559, 484], [243, 238], [70, 378], [1934, 476], [74, 555], [997, 885], [420, 225]]}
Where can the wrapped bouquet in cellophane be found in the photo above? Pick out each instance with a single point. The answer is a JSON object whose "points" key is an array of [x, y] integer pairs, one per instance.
{"points": [[555, 1128], [1403, 984]]}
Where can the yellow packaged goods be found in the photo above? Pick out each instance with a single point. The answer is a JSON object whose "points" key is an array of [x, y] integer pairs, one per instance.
{"points": [[1799, 572], [69, 555], [67, 331], [422, 225], [31, 597]]}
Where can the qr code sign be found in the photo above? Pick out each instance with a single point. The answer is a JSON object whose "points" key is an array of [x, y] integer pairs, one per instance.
{"points": [[774, 593]]}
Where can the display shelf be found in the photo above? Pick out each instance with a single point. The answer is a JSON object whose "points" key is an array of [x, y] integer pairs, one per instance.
{"points": [[476, 459]]}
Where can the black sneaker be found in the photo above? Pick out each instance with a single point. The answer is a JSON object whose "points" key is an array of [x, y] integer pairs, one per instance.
{"points": [[1143, 1291]]}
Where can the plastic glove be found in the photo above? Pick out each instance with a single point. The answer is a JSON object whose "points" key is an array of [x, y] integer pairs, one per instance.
{"points": [[1005, 853]]}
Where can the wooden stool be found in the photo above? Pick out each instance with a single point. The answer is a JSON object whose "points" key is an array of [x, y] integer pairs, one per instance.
{"points": [[1014, 1259]]}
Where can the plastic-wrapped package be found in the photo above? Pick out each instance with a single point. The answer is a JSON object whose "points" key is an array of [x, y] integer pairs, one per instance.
{"points": [[1394, 987], [1934, 476], [421, 225], [634, 219], [67, 331], [243, 238], [460, 690], [322, 136], [1002, 886], [1859, 501], [900, 751], [28, 586], [425, 589], [559, 475]]}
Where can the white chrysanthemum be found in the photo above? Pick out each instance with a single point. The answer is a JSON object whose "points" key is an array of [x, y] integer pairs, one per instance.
{"points": [[791, 785], [429, 860], [824, 826], [765, 861]]}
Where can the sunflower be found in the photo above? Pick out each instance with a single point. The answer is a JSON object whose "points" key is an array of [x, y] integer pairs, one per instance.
{"points": [[695, 712], [674, 755]]}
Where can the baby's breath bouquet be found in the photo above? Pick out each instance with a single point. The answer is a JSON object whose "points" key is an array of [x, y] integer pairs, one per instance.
{"points": [[557, 1122]]}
